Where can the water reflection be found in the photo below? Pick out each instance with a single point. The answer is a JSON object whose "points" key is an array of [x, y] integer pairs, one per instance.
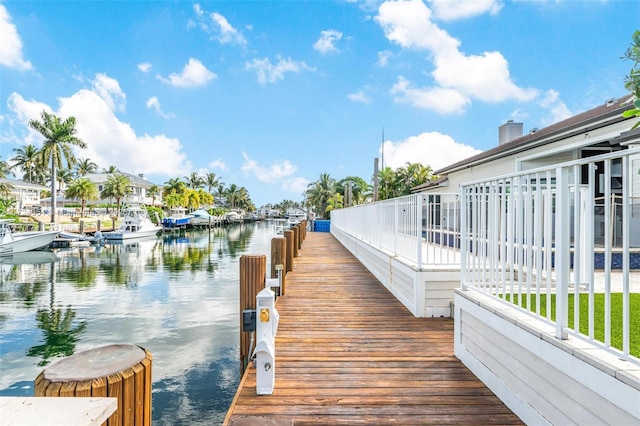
{"points": [[176, 295]]}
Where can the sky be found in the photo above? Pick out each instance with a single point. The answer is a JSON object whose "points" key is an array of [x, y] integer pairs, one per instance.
{"points": [[269, 95]]}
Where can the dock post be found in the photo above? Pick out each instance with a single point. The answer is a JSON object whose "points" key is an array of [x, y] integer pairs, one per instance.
{"points": [[253, 270], [288, 235], [98, 225], [296, 240], [82, 226], [118, 371], [279, 257]]}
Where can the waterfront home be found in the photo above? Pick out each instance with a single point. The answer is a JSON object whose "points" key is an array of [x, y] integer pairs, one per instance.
{"points": [[532, 247], [25, 194], [139, 186]]}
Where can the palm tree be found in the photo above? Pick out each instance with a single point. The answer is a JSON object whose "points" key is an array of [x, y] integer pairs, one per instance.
{"points": [[232, 194], [388, 184], [85, 167], [5, 170], [64, 176], [212, 181], [175, 186], [28, 160], [117, 186], [59, 138], [194, 180], [319, 192], [84, 189], [111, 170], [360, 189], [153, 192]]}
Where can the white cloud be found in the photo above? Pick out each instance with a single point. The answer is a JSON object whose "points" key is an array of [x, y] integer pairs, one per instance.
{"points": [[270, 73], [198, 9], [296, 185], [218, 164], [483, 77], [154, 104], [359, 96], [11, 45], [16, 129], [193, 74], [109, 89], [558, 110], [227, 34], [449, 10], [144, 67], [458, 78], [271, 174], [325, 43], [408, 23], [439, 99], [430, 149], [383, 57], [109, 140]]}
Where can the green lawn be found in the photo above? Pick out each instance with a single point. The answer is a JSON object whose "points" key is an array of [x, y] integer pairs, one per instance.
{"points": [[616, 316]]}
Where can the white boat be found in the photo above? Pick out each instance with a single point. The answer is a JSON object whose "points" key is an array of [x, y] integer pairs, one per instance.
{"points": [[234, 216], [19, 242], [135, 224], [201, 217], [296, 218]]}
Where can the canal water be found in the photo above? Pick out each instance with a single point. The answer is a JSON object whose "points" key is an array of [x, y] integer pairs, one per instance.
{"points": [[176, 295]]}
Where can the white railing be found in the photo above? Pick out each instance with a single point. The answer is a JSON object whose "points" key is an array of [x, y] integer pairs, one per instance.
{"points": [[531, 239], [420, 229]]}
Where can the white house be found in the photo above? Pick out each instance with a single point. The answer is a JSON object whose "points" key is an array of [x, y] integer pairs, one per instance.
{"points": [[514, 237], [25, 194], [139, 185]]}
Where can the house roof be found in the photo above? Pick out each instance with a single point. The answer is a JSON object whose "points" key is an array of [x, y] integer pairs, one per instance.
{"points": [[606, 114], [24, 185], [134, 179]]}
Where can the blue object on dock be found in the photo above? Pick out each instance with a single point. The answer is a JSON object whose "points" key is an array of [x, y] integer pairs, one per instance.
{"points": [[321, 226]]}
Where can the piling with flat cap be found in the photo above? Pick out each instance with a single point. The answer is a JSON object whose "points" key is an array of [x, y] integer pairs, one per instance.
{"points": [[289, 236], [279, 257], [253, 270], [296, 240], [119, 371]]}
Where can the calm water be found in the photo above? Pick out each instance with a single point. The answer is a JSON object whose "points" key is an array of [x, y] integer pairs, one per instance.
{"points": [[176, 296]]}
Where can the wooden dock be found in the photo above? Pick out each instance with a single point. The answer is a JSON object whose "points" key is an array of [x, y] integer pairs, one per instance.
{"points": [[347, 352]]}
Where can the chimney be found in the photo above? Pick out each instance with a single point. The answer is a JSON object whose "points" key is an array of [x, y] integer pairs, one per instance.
{"points": [[509, 131]]}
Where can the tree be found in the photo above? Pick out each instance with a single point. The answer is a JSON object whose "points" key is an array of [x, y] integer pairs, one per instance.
{"points": [[59, 139], [335, 202], [194, 180], [5, 170], [175, 186], [111, 170], [85, 167], [117, 186], [28, 160], [632, 81], [153, 192], [83, 189], [360, 189], [319, 192], [232, 195], [212, 181]]}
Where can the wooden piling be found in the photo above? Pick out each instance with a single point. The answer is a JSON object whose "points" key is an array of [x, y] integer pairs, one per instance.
{"points": [[279, 257], [82, 226], [117, 371], [296, 240], [253, 269], [98, 225], [289, 235]]}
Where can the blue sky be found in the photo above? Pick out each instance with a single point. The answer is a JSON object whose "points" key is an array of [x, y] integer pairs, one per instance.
{"points": [[269, 95]]}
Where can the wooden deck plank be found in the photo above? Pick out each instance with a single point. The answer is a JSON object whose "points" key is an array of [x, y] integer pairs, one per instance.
{"points": [[348, 352]]}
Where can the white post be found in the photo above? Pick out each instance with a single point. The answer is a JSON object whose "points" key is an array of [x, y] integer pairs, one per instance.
{"points": [[266, 329], [562, 263]]}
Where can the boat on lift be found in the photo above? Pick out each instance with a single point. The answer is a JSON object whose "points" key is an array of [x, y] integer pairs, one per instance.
{"points": [[136, 223]]}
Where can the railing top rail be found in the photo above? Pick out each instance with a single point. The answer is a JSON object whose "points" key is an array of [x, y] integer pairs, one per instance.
{"points": [[601, 157]]}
